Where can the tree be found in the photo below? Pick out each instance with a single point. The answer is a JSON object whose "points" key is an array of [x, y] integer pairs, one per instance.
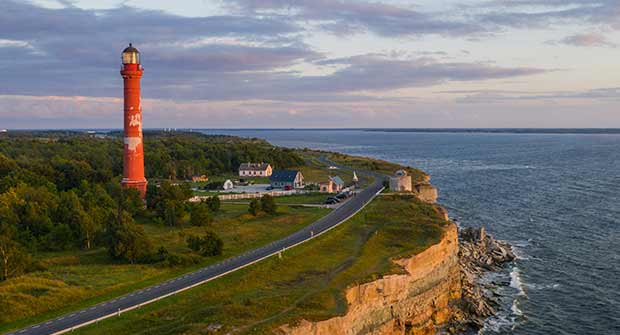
{"points": [[127, 241], [13, 260], [254, 207], [174, 212], [214, 203], [208, 245], [268, 204], [201, 215]]}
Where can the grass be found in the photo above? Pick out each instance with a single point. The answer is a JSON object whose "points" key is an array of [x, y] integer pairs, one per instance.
{"points": [[377, 165], [315, 171], [295, 199], [76, 279], [308, 282]]}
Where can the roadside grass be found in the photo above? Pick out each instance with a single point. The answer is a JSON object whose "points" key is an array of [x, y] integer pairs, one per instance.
{"points": [[76, 279], [308, 282]]}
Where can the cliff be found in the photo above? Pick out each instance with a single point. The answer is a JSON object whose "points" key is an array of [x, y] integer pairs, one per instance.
{"points": [[415, 302]]}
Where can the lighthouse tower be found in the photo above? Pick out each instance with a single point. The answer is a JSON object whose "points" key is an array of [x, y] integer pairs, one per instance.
{"points": [[133, 158]]}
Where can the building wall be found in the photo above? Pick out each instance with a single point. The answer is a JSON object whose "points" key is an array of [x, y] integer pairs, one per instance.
{"points": [[401, 184], [254, 173]]}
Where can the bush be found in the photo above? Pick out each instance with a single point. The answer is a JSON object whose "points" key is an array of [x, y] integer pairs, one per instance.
{"points": [[214, 203], [201, 215], [254, 207], [208, 245], [126, 240], [268, 204]]}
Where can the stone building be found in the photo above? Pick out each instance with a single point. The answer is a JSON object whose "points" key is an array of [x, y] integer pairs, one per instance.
{"points": [[401, 182]]}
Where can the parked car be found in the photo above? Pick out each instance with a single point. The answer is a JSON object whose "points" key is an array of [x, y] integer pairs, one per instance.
{"points": [[332, 201]]}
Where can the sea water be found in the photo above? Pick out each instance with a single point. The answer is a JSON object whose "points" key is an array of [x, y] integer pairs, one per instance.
{"points": [[554, 197]]}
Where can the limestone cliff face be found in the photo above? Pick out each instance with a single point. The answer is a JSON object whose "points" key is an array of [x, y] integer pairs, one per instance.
{"points": [[417, 302]]}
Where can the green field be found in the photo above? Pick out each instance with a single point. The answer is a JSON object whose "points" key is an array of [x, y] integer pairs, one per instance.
{"points": [[307, 283], [76, 279], [380, 166]]}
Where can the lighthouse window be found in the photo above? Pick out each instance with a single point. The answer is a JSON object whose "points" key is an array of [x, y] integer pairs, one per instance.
{"points": [[131, 58]]}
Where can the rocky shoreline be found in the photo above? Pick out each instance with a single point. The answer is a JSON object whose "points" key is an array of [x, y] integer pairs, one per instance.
{"points": [[479, 253]]}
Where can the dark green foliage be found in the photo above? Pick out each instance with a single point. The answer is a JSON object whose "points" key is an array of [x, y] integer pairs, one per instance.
{"points": [[61, 190], [201, 214], [208, 245], [169, 202], [268, 204], [13, 259], [126, 240], [214, 203], [254, 207]]}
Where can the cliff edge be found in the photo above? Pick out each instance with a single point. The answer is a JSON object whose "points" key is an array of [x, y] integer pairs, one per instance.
{"points": [[416, 302]]}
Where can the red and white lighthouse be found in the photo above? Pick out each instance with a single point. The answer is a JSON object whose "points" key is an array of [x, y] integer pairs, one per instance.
{"points": [[133, 158]]}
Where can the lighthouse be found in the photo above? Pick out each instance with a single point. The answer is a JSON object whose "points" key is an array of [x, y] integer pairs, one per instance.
{"points": [[133, 156]]}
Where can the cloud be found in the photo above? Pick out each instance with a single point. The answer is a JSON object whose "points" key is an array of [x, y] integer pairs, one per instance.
{"points": [[585, 40], [75, 52], [350, 17], [543, 13]]}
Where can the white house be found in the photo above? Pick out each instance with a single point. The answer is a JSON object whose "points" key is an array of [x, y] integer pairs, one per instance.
{"points": [[255, 170], [228, 185]]}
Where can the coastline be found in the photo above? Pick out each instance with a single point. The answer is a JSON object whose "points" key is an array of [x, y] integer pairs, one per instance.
{"points": [[440, 290]]}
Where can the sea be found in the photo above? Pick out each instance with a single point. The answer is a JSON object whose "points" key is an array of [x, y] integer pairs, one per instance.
{"points": [[553, 194]]}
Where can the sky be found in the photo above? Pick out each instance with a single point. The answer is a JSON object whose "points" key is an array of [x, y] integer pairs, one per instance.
{"points": [[313, 63]]}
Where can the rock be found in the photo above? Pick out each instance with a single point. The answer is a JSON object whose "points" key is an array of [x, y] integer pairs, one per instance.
{"points": [[479, 253]]}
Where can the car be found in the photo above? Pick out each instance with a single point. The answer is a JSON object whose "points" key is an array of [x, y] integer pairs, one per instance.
{"points": [[332, 200], [342, 196]]}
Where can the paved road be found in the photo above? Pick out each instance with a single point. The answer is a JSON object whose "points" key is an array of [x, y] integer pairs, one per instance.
{"points": [[139, 298]]}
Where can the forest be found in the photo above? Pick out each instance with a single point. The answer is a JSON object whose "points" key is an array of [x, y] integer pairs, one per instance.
{"points": [[61, 191]]}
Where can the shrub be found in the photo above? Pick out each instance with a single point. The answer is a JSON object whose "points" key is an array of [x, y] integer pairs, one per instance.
{"points": [[268, 204], [254, 207], [201, 215], [214, 203], [208, 245]]}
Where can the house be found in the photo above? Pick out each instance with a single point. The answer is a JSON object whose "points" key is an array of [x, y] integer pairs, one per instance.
{"points": [[333, 185], [228, 185], [201, 178], [255, 170], [286, 179], [400, 182]]}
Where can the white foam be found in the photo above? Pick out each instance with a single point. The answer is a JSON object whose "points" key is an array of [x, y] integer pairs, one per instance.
{"points": [[515, 308], [516, 282], [519, 252]]}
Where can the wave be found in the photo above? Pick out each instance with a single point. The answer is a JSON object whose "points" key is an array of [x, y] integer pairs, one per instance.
{"points": [[516, 282]]}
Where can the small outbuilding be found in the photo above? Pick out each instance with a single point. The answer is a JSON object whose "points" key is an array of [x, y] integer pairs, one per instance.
{"points": [[286, 179], [401, 182], [228, 185]]}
